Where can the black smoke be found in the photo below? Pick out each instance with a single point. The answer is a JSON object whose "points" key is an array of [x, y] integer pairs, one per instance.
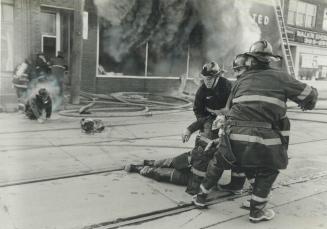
{"points": [[207, 29]]}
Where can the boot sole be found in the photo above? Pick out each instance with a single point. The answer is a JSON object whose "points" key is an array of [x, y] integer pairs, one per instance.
{"points": [[262, 218], [197, 204]]}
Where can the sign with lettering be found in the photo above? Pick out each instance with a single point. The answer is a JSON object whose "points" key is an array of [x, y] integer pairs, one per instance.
{"points": [[263, 13], [311, 38]]}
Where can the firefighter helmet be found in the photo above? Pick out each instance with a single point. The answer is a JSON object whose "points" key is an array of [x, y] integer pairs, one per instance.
{"points": [[263, 47], [211, 69], [240, 61], [210, 73], [44, 95], [262, 52], [91, 126]]}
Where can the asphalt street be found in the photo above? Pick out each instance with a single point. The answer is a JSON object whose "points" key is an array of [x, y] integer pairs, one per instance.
{"points": [[53, 175]]}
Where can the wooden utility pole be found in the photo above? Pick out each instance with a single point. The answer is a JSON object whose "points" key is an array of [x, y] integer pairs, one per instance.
{"points": [[77, 52]]}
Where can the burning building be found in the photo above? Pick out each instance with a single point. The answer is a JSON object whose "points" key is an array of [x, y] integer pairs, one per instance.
{"points": [[133, 45], [162, 41]]}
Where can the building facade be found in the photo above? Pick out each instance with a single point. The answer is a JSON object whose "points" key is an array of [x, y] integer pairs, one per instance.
{"points": [[29, 27], [306, 22]]}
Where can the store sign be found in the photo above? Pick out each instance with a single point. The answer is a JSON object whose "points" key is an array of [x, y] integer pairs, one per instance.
{"points": [[261, 19], [311, 38]]}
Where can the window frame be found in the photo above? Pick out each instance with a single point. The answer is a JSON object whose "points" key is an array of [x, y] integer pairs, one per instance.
{"points": [[324, 21], [304, 14]]}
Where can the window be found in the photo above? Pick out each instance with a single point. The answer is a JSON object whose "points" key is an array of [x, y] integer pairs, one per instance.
{"points": [[324, 23], [302, 14], [7, 37], [49, 31], [48, 23]]}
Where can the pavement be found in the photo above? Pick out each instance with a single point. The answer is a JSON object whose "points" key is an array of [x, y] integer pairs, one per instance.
{"points": [[52, 175]]}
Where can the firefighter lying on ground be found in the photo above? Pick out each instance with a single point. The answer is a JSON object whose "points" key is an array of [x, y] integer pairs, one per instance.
{"points": [[187, 168], [253, 137], [39, 107]]}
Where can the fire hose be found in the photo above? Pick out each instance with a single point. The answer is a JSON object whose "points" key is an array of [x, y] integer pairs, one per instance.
{"points": [[127, 104]]}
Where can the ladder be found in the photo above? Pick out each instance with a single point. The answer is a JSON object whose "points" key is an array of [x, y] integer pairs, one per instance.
{"points": [[285, 43]]}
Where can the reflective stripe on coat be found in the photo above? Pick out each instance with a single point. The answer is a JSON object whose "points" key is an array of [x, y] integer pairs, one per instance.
{"points": [[260, 96]]}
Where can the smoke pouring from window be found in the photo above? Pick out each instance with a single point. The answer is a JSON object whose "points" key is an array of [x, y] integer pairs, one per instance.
{"points": [[209, 29]]}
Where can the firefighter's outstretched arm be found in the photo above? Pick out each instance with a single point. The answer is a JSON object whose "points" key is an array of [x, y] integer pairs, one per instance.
{"points": [[302, 94]]}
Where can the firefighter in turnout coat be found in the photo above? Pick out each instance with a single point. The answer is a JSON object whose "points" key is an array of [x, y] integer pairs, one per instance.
{"points": [[187, 169], [254, 137]]}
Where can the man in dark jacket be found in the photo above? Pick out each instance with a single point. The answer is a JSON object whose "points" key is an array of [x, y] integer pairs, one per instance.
{"points": [[211, 96], [39, 107], [213, 93], [254, 137]]}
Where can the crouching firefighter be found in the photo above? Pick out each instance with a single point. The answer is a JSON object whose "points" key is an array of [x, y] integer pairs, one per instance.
{"points": [[210, 97], [39, 107], [187, 169], [252, 140]]}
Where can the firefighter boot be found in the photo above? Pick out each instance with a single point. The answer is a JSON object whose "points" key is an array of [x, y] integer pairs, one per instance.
{"points": [[200, 199], [158, 174], [132, 168], [259, 213], [235, 186]]}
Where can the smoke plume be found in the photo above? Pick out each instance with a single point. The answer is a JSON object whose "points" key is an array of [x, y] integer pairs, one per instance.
{"points": [[51, 85], [209, 29], [229, 28]]}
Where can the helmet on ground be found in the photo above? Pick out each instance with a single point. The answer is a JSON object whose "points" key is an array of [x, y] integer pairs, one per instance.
{"points": [[91, 126]]}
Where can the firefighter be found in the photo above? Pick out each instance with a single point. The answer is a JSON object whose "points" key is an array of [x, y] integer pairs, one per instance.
{"points": [[213, 93], [58, 68], [42, 67], [253, 137], [212, 96], [187, 169], [39, 107]]}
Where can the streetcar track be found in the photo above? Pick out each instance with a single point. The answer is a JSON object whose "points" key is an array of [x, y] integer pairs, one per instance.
{"points": [[77, 128], [126, 145], [86, 143], [149, 123], [150, 216], [308, 120], [78, 174], [113, 145], [45, 179]]}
